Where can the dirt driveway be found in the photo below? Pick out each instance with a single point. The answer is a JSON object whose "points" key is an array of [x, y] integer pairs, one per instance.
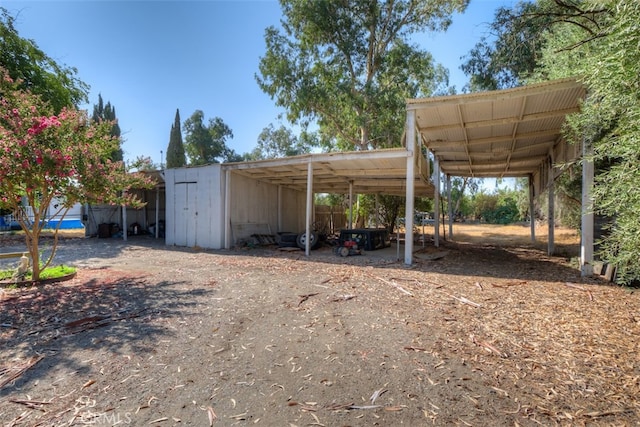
{"points": [[469, 335]]}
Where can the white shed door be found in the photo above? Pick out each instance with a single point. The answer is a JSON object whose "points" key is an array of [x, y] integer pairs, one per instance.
{"points": [[186, 214]]}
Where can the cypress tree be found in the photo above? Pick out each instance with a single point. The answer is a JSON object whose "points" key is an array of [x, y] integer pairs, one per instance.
{"points": [[107, 112], [175, 152]]}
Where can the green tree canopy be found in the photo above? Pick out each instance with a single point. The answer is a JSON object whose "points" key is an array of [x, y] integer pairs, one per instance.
{"points": [[349, 66], [107, 113], [34, 70], [512, 51], [519, 38], [143, 164], [461, 202], [176, 157], [500, 207], [597, 42], [275, 143], [607, 56], [207, 144]]}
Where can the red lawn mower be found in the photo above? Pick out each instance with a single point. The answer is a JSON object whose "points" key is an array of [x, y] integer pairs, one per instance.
{"points": [[348, 247]]}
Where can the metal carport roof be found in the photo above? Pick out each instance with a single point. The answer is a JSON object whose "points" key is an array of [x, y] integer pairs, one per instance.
{"points": [[364, 172], [395, 171], [504, 133]]}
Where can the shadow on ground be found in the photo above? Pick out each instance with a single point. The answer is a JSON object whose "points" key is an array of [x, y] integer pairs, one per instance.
{"points": [[100, 310], [455, 258]]}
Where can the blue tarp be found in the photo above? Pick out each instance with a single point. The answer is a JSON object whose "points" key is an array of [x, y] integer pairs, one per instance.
{"points": [[67, 224]]}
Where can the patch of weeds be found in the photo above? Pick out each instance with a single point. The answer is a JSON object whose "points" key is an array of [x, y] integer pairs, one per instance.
{"points": [[574, 262]]}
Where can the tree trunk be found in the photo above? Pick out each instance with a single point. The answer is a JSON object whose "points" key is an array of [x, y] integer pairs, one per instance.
{"points": [[34, 250], [31, 237], [459, 200], [33, 231], [364, 138]]}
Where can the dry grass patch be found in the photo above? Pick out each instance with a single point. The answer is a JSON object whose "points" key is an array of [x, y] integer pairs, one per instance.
{"points": [[567, 240]]}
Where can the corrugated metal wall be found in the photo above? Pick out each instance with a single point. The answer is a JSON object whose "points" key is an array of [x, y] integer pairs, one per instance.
{"points": [[254, 205]]}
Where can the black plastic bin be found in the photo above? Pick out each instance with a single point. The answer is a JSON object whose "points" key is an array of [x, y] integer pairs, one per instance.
{"points": [[368, 239], [104, 230]]}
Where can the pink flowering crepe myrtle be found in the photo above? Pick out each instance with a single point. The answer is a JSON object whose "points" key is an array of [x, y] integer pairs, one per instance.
{"points": [[65, 156]]}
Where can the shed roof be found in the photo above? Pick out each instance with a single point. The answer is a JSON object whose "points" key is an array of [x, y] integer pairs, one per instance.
{"points": [[504, 133], [368, 172]]}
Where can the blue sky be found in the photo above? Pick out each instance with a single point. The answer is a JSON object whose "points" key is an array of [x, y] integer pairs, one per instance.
{"points": [[149, 58]]}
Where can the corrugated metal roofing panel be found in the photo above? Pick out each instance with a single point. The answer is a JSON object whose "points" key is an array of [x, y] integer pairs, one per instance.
{"points": [[497, 130], [376, 171]]}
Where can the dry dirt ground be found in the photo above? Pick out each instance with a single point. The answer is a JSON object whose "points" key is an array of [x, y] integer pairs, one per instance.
{"points": [[472, 334]]}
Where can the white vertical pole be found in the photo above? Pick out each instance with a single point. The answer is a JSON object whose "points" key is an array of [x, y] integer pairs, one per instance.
{"points": [[87, 228], [279, 208], [410, 127], [531, 209], [436, 202], [307, 245], [124, 222], [146, 211], [377, 207], [450, 206], [157, 227], [227, 210], [586, 242], [551, 210], [350, 205]]}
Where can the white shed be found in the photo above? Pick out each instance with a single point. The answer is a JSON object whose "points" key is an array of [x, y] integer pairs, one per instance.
{"points": [[198, 199]]}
